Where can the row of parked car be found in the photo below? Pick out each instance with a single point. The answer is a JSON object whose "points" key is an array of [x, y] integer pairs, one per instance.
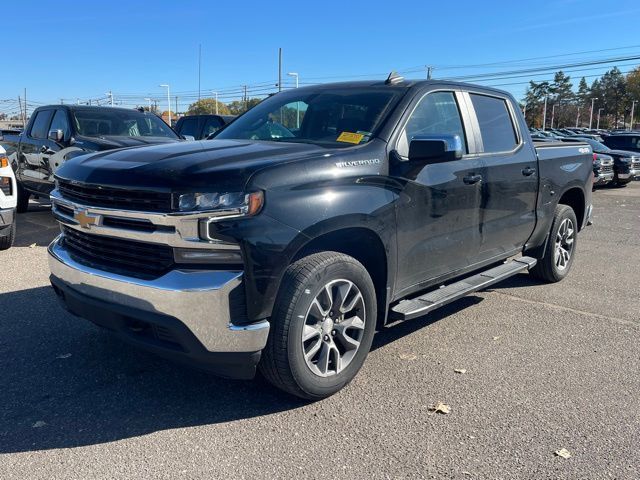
{"points": [[616, 153]]}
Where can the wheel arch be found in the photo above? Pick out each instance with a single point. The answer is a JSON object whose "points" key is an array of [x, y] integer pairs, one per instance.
{"points": [[574, 197], [366, 246]]}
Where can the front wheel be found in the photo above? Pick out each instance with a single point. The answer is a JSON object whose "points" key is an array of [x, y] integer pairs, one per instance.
{"points": [[322, 326], [561, 247], [6, 241]]}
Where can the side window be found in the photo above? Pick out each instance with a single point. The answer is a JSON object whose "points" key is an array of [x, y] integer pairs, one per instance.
{"points": [[60, 122], [436, 114], [40, 126], [212, 124], [496, 125], [189, 126]]}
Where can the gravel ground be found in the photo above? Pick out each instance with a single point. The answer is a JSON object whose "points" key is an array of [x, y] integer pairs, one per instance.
{"points": [[547, 367]]}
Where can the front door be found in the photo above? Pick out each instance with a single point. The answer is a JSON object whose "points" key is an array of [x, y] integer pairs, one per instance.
{"points": [[439, 208]]}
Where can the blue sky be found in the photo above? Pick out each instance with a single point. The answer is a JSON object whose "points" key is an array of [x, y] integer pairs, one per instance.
{"points": [[60, 49]]}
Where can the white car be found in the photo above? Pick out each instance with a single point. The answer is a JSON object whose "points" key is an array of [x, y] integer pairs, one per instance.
{"points": [[8, 200]]}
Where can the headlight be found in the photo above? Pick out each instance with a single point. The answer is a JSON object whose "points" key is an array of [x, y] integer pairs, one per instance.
{"points": [[234, 204], [625, 160]]}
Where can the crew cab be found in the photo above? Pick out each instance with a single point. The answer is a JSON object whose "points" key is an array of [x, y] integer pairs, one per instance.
{"points": [[7, 202], [199, 127], [385, 200], [56, 133]]}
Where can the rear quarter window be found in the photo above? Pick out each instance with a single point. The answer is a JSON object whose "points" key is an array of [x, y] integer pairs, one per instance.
{"points": [[496, 125]]}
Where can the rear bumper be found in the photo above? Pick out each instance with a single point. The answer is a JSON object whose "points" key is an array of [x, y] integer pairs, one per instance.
{"points": [[185, 314]]}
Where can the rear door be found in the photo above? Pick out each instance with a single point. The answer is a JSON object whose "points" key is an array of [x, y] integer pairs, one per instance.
{"points": [[34, 144], [510, 176], [211, 125], [438, 211]]}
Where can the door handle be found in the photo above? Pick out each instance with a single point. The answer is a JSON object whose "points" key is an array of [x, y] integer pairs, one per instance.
{"points": [[528, 171], [472, 179]]}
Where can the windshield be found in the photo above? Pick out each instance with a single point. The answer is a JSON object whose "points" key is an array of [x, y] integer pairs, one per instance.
{"points": [[335, 117], [120, 123]]}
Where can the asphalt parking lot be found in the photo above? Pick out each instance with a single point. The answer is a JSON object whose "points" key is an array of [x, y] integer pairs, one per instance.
{"points": [[547, 367]]}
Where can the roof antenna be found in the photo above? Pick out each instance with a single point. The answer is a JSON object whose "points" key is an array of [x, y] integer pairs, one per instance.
{"points": [[393, 78]]}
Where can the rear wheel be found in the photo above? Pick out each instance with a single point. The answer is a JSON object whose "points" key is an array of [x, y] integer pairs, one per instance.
{"points": [[560, 248], [322, 326], [23, 199], [6, 241]]}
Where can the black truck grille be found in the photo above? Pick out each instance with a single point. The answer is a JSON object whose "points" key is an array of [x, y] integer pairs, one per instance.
{"points": [[98, 196], [136, 259], [606, 169]]}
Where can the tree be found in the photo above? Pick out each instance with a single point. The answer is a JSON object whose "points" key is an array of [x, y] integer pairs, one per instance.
{"points": [[534, 100], [633, 92], [613, 91], [238, 106], [563, 97], [583, 95], [207, 106]]}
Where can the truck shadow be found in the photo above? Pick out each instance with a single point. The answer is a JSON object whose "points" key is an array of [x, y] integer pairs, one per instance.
{"points": [[67, 383]]}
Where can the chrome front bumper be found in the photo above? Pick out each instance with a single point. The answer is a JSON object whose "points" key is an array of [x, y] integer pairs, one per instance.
{"points": [[632, 174], [197, 298]]}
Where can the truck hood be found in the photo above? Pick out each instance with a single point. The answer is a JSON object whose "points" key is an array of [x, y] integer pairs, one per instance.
{"points": [[109, 142], [185, 166], [623, 153]]}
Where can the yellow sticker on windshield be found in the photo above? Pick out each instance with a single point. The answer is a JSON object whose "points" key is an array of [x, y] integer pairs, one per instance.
{"points": [[349, 137]]}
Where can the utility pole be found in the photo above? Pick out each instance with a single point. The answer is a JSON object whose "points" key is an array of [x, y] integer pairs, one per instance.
{"points": [[176, 108], [110, 95], [429, 72], [598, 124], [62, 101], [25, 107], [633, 104], [279, 69], [524, 112], [199, 69], [591, 115], [246, 105], [544, 114], [149, 100], [24, 123], [294, 74], [164, 85], [216, 97]]}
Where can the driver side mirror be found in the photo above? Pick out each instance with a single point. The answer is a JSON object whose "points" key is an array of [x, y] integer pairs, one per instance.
{"points": [[435, 148], [56, 135]]}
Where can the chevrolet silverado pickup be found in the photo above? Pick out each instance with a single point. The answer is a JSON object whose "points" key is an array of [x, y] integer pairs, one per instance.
{"points": [[7, 202], [254, 250], [56, 133]]}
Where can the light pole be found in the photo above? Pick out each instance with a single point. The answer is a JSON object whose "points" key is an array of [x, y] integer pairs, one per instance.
{"points": [[149, 100], [164, 85], [578, 117], [598, 124], [544, 115], [215, 94], [591, 115], [553, 113], [294, 74], [110, 95], [633, 104]]}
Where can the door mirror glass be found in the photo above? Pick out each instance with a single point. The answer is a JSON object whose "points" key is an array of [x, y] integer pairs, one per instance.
{"points": [[435, 148], [56, 135]]}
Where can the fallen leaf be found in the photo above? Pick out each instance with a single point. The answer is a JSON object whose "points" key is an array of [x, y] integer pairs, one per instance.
{"points": [[63, 356], [563, 452], [38, 424], [440, 408], [460, 370], [408, 356], [33, 245], [496, 338]]}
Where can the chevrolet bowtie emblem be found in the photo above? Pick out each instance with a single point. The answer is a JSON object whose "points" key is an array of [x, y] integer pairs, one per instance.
{"points": [[84, 219]]}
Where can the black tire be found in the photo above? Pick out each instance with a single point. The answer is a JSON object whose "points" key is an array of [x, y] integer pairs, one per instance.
{"points": [[23, 199], [547, 269], [6, 241], [283, 363]]}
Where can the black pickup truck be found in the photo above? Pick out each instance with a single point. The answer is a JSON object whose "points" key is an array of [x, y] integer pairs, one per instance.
{"points": [[57, 133], [387, 200]]}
